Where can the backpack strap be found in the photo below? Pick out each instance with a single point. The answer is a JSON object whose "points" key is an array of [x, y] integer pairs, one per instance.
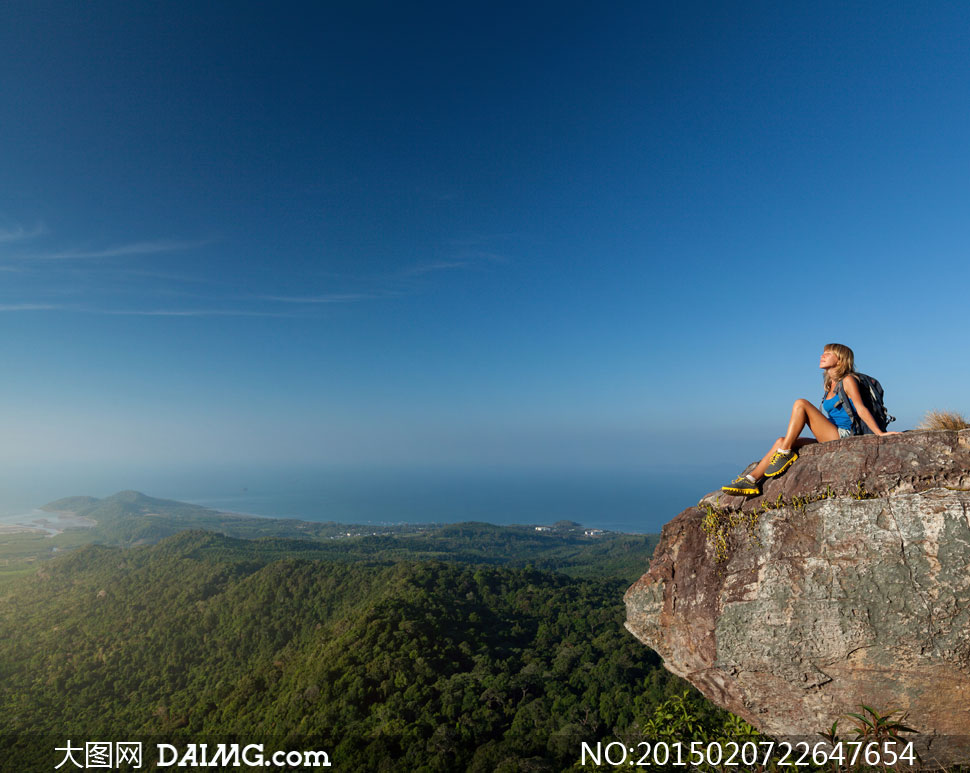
{"points": [[847, 406], [871, 393]]}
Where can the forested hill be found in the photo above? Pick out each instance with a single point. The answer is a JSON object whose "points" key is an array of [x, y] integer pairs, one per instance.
{"points": [[130, 518], [388, 665]]}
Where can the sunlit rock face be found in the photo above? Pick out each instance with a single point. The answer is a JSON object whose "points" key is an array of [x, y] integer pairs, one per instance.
{"points": [[846, 583]]}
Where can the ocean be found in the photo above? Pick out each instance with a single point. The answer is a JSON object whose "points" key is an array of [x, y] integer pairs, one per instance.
{"points": [[635, 501]]}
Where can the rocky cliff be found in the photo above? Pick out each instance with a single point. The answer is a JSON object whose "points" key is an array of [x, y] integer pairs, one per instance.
{"points": [[846, 582]]}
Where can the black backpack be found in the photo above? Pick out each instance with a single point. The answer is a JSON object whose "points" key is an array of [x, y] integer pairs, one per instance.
{"points": [[871, 391]]}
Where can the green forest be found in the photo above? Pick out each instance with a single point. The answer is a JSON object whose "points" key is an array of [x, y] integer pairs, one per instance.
{"points": [[467, 647]]}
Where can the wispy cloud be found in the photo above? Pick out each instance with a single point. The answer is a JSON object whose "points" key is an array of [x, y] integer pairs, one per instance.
{"points": [[123, 250], [15, 307], [467, 259], [82, 285], [482, 256], [486, 240], [311, 299], [28, 307], [185, 312], [166, 276], [430, 268], [19, 233]]}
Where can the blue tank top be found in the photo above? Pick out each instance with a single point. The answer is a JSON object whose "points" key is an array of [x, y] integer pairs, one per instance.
{"points": [[838, 416]]}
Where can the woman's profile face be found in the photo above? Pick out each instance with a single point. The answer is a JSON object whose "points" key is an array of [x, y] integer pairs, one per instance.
{"points": [[828, 359]]}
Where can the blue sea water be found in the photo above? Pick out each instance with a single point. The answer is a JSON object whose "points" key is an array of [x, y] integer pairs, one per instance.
{"points": [[636, 501]]}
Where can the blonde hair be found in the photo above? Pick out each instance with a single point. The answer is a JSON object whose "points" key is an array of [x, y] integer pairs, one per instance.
{"points": [[845, 367]]}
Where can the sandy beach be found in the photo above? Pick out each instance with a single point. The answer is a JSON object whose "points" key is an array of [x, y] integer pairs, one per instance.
{"points": [[43, 521]]}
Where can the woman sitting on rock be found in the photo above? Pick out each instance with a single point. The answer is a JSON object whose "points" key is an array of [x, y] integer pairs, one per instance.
{"points": [[838, 362]]}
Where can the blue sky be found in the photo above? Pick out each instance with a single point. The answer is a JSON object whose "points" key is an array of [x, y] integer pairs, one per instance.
{"points": [[590, 236]]}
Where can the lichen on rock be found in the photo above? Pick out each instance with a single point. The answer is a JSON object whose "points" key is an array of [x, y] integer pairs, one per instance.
{"points": [[852, 586]]}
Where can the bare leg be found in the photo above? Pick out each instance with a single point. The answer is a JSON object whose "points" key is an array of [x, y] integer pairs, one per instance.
{"points": [[802, 413]]}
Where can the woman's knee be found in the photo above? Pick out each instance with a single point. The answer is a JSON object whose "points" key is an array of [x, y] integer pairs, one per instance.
{"points": [[802, 403]]}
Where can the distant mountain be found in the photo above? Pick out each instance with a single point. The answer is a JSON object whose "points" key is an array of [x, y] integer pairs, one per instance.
{"points": [[70, 504], [132, 518]]}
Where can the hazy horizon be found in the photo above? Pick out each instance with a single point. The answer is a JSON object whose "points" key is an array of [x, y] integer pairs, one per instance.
{"points": [[639, 501]]}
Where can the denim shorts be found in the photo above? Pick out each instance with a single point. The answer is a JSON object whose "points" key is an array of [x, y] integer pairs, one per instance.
{"points": [[843, 432]]}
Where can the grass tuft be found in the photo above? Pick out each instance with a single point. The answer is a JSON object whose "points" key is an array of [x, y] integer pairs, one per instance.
{"points": [[943, 420]]}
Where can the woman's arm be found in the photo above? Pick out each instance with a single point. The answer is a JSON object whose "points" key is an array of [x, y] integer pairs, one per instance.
{"points": [[852, 390]]}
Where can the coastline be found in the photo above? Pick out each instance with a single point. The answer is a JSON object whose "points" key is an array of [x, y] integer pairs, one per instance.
{"points": [[45, 522]]}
